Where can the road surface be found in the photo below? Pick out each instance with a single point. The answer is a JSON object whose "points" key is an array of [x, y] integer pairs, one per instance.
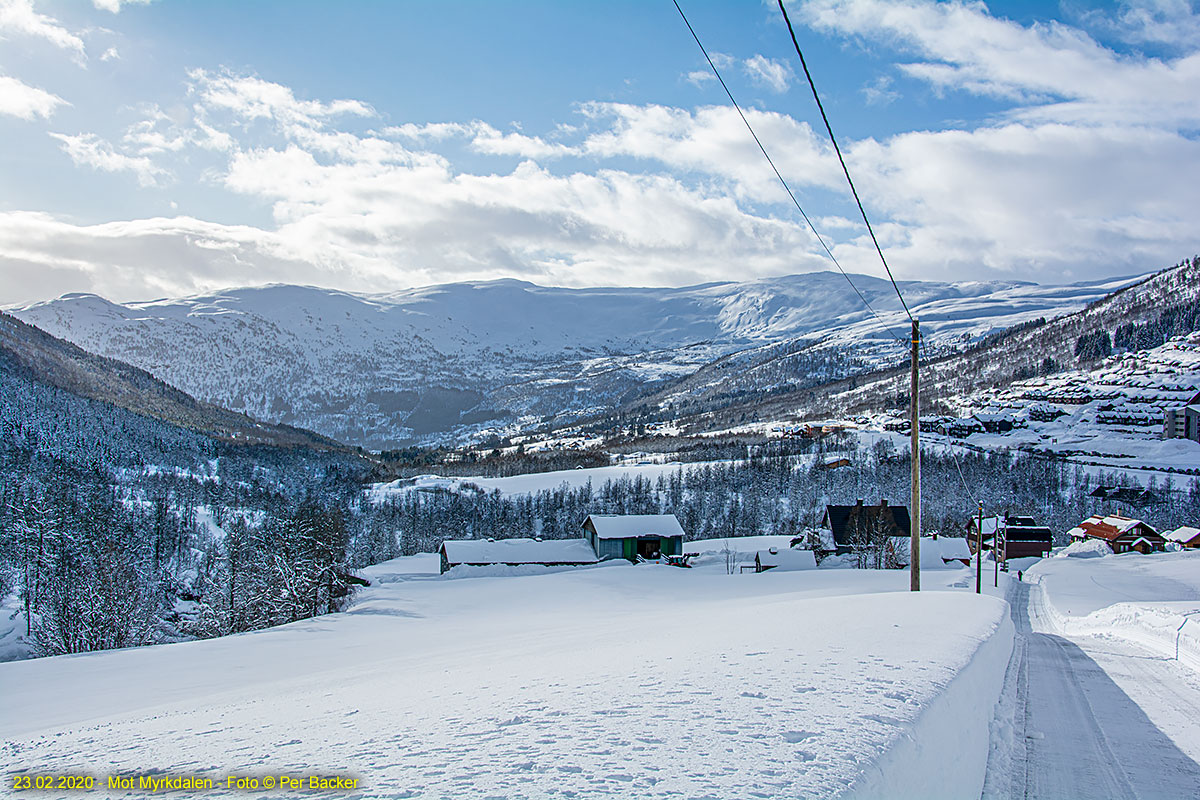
{"points": [[1094, 717]]}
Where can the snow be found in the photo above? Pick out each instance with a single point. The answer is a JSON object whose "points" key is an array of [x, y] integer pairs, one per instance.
{"points": [[633, 525], [813, 683], [1084, 548], [943, 552], [518, 551], [1150, 600], [787, 560]]}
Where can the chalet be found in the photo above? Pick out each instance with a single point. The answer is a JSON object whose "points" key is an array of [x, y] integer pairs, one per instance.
{"points": [[997, 423], [1024, 538], [1186, 537], [1184, 422], [1129, 495], [834, 462], [1044, 412], [850, 524], [962, 428], [784, 560], [1122, 534], [1020, 537], [515, 553], [936, 551], [633, 536]]}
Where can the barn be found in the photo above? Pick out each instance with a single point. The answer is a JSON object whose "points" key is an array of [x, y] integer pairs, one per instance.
{"points": [[515, 553], [633, 536]]}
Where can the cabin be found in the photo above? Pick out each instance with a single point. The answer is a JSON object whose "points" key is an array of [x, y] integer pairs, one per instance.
{"points": [[1122, 534], [997, 422], [1020, 537], [1024, 538], [851, 523], [784, 560], [1186, 537], [515, 553], [633, 536], [1129, 495], [834, 462]]}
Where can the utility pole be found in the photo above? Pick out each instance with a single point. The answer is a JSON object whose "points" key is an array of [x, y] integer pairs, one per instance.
{"points": [[914, 549], [979, 549], [996, 549]]}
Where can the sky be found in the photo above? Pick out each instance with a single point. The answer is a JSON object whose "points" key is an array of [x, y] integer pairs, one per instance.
{"points": [[160, 148]]}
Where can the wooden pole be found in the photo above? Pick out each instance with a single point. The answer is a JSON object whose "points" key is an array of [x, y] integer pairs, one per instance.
{"points": [[996, 552], [979, 549], [914, 550]]}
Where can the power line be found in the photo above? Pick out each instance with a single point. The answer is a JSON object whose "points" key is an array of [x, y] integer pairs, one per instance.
{"points": [[838, 150], [787, 188]]}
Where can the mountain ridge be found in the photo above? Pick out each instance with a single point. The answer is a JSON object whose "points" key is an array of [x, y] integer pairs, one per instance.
{"points": [[439, 362]]}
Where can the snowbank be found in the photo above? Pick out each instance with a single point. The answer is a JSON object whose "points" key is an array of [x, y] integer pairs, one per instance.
{"points": [[1086, 548], [957, 721], [1152, 600]]}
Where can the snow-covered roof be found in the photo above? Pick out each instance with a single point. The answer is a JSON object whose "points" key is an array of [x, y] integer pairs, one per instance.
{"points": [[632, 526], [1107, 527], [934, 552], [518, 551], [1183, 534], [787, 560]]}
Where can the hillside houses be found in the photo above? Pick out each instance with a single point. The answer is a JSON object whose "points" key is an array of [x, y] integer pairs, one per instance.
{"points": [[1183, 422]]}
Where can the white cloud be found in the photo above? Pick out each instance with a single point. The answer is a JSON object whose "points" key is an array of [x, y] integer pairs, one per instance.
{"points": [[769, 72], [21, 100], [115, 5], [18, 17], [1170, 22], [700, 77], [880, 92], [90, 150], [110, 54], [1053, 71]]}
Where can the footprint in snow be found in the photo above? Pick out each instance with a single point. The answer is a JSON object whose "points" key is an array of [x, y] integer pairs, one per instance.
{"points": [[756, 695], [797, 736]]}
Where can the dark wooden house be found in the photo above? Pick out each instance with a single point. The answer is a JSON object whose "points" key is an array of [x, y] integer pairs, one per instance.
{"points": [[851, 524]]}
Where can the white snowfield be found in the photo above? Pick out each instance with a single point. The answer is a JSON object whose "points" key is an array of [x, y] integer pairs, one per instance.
{"points": [[633, 682]]}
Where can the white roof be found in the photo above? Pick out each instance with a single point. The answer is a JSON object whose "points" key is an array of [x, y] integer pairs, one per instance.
{"points": [[518, 551], [788, 560], [1182, 534], [942, 550], [631, 526]]}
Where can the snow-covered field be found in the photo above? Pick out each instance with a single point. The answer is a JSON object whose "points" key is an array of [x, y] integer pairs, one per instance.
{"points": [[626, 681]]}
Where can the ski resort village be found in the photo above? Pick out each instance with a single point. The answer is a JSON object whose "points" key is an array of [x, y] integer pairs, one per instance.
{"points": [[559, 401]]}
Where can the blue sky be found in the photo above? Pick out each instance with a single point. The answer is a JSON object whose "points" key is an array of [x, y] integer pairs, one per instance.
{"points": [[166, 148]]}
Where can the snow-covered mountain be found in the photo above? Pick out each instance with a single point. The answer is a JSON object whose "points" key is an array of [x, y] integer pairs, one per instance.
{"points": [[382, 370]]}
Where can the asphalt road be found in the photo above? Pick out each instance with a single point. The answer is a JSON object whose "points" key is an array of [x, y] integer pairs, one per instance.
{"points": [[1082, 725]]}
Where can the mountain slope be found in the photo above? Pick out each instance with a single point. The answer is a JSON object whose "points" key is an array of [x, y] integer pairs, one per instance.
{"points": [[29, 353], [383, 370]]}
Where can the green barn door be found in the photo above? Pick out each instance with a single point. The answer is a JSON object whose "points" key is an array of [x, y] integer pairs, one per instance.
{"points": [[629, 548]]}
